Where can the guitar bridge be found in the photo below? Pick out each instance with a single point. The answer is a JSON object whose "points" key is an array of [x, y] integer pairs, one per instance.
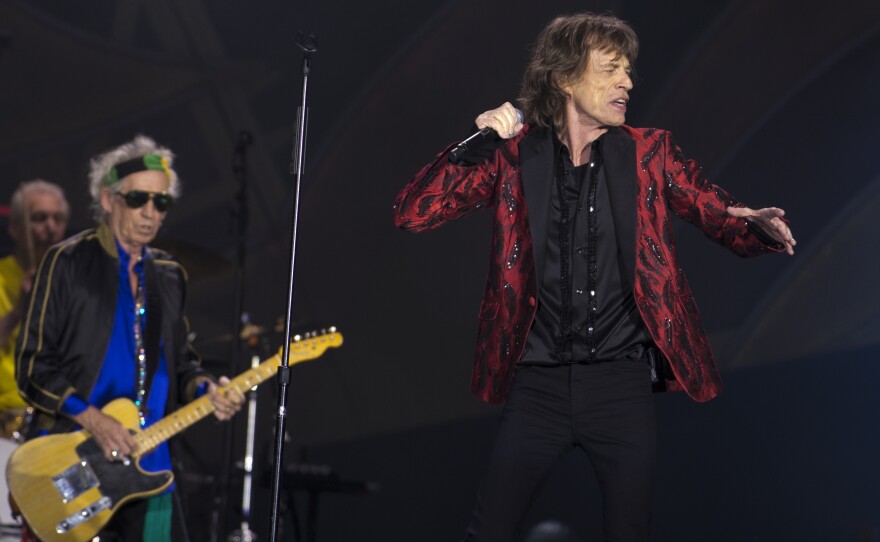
{"points": [[85, 514], [75, 481]]}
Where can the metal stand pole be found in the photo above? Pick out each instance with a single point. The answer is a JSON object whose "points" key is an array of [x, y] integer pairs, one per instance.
{"points": [[309, 46], [244, 533]]}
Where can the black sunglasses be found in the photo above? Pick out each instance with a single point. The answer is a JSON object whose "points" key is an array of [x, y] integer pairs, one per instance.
{"points": [[135, 199]]}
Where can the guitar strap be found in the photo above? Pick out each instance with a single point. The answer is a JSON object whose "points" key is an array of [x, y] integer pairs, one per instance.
{"points": [[153, 333]]}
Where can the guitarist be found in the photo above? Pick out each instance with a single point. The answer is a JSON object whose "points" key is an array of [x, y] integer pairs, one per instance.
{"points": [[106, 321]]}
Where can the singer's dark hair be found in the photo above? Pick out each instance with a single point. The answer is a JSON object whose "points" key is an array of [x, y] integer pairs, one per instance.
{"points": [[561, 54]]}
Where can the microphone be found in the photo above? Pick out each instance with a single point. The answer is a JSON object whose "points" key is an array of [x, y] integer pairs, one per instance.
{"points": [[475, 141]]}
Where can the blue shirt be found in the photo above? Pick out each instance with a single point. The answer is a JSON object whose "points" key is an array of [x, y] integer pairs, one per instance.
{"points": [[118, 376]]}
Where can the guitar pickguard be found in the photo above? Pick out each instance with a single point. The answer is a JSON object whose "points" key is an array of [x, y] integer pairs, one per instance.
{"points": [[118, 480]]}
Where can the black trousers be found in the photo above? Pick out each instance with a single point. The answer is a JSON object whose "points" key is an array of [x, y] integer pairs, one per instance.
{"points": [[607, 410]]}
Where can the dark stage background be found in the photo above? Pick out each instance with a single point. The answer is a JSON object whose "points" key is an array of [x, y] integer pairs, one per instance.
{"points": [[776, 98]]}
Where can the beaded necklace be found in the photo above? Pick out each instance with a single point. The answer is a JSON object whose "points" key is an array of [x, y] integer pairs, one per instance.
{"points": [[140, 311]]}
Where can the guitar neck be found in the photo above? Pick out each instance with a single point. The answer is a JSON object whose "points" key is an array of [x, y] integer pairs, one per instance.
{"points": [[186, 416]]}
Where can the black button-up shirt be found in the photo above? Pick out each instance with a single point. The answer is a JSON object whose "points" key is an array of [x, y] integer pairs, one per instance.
{"points": [[586, 311]]}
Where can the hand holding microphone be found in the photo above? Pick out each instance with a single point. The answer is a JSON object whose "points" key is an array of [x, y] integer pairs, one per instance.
{"points": [[504, 122]]}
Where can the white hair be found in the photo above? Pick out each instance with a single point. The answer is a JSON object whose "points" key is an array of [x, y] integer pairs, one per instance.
{"points": [[17, 203], [101, 165]]}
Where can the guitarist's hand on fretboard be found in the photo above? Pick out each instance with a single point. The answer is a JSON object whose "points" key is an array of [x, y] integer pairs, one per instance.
{"points": [[114, 439], [226, 401]]}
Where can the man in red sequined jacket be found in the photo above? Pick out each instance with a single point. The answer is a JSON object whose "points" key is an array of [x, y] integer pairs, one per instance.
{"points": [[585, 285]]}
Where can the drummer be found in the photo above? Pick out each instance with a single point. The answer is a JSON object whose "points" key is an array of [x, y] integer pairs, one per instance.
{"points": [[38, 219]]}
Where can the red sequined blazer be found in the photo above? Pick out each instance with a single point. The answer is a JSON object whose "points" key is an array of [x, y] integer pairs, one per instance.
{"points": [[647, 168]]}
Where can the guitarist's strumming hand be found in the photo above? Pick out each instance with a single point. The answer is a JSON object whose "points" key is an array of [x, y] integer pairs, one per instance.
{"points": [[114, 439], [227, 402]]}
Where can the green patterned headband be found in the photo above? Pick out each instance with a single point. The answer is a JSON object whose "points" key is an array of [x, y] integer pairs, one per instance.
{"points": [[141, 163]]}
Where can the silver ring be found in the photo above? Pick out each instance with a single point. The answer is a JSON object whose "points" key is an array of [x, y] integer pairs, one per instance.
{"points": [[114, 454]]}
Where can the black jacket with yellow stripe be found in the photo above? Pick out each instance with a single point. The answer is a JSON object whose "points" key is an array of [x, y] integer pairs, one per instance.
{"points": [[70, 317]]}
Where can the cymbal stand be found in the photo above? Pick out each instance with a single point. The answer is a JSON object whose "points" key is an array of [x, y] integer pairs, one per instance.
{"points": [[245, 534]]}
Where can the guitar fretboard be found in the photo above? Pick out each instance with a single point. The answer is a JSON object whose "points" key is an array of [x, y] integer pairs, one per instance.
{"points": [[186, 416]]}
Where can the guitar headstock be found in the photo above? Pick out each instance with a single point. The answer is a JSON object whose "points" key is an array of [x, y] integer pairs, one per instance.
{"points": [[311, 345]]}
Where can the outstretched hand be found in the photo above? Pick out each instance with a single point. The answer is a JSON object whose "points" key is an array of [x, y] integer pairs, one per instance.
{"points": [[770, 221]]}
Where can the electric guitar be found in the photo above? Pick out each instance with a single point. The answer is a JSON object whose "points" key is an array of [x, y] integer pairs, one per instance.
{"points": [[67, 491]]}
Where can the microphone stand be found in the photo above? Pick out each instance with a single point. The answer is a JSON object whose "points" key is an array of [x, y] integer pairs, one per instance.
{"points": [[308, 46]]}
